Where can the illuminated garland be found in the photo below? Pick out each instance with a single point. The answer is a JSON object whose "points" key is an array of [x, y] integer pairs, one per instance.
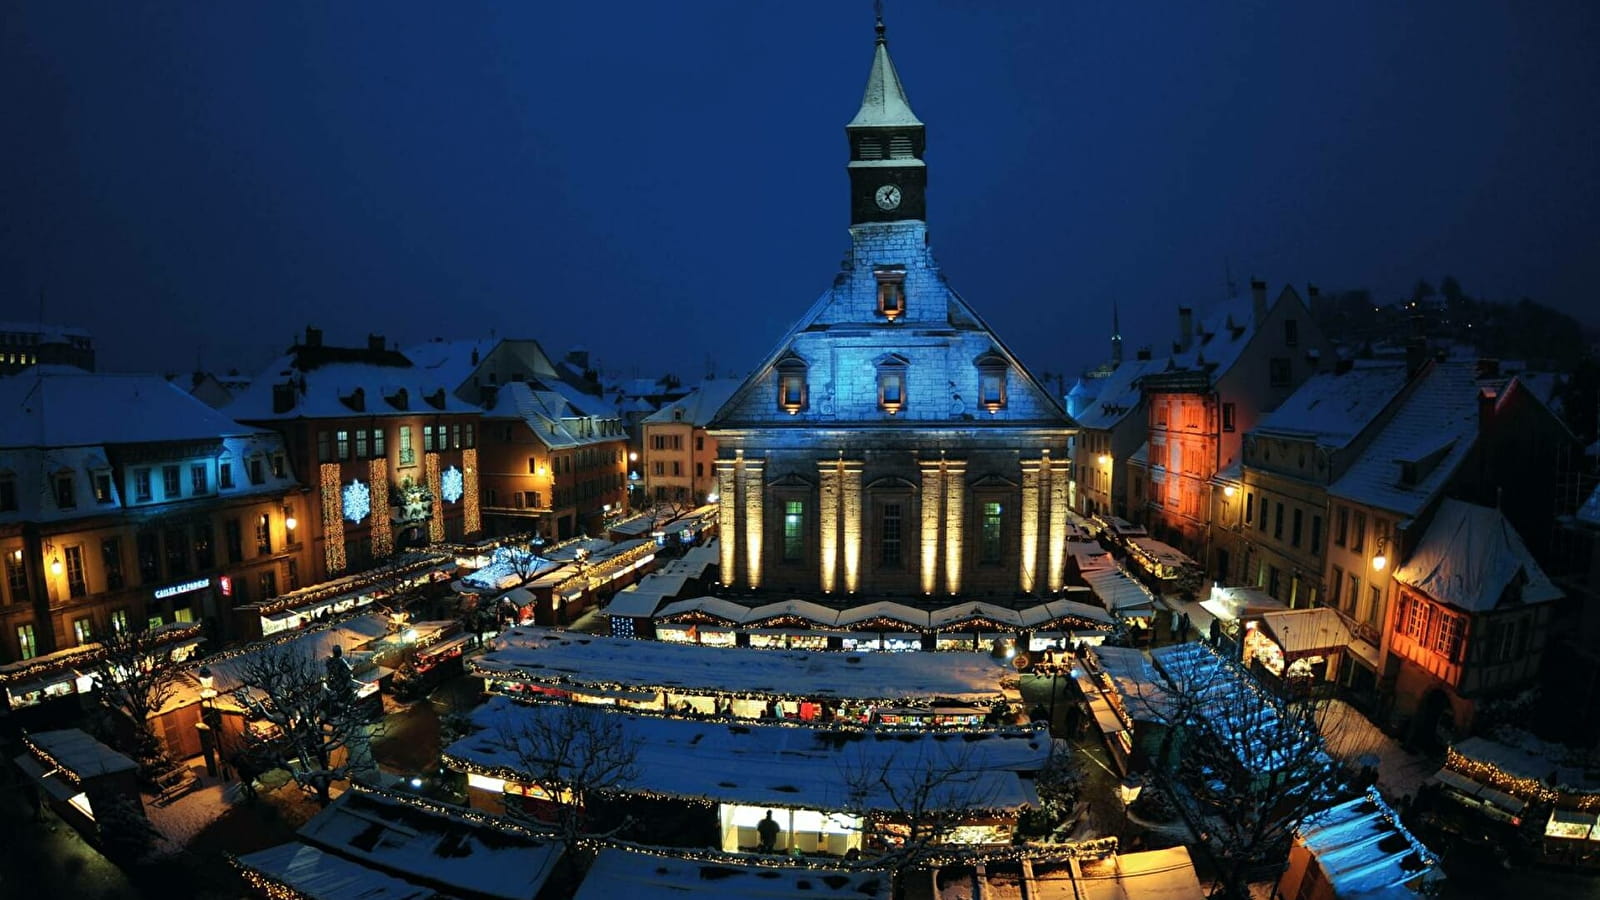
{"points": [[89, 653], [1526, 788], [270, 887], [382, 530], [395, 570], [332, 519], [44, 756], [472, 521], [436, 520]]}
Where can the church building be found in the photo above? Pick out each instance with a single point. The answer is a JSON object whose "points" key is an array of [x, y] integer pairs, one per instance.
{"points": [[892, 446]]}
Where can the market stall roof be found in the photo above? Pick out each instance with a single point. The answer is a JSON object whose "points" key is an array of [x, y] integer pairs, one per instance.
{"points": [[1057, 610], [1122, 595], [74, 750], [1469, 788], [883, 609], [1150, 875], [1521, 755], [1162, 552], [1090, 555], [775, 765], [633, 603], [463, 852], [1230, 603], [1361, 846], [568, 659], [320, 875], [655, 876], [716, 607], [1078, 871], [1144, 694], [1307, 632], [804, 609], [634, 527], [951, 616], [1468, 558]]}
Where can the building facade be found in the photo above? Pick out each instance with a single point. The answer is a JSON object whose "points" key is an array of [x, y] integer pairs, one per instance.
{"points": [[24, 345], [892, 444], [389, 453], [126, 503], [679, 453]]}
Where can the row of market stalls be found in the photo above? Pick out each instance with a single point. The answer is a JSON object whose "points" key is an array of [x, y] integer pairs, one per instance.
{"points": [[881, 625], [746, 683], [1546, 792], [556, 585], [837, 790], [407, 573], [65, 673], [667, 524]]}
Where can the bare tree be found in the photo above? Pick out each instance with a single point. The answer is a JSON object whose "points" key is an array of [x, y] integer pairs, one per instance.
{"points": [[1253, 765], [135, 677], [922, 795], [322, 727], [573, 753]]}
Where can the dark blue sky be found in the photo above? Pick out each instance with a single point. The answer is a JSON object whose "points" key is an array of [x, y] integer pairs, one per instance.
{"points": [[662, 181]]}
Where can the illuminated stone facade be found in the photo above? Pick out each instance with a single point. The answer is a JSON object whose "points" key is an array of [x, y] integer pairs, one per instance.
{"points": [[892, 445]]}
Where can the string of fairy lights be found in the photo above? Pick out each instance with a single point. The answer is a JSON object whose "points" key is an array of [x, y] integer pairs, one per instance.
{"points": [[44, 756], [90, 653], [382, 530], [332, 518], [471, 515], [1488, 773], [436, 520]]}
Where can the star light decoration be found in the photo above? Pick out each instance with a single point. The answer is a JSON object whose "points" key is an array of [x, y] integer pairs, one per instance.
{"points": [[357, 501], [450, 484]]}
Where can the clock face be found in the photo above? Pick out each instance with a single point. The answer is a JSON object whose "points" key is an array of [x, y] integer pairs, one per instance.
{"points": [[888, 196]]}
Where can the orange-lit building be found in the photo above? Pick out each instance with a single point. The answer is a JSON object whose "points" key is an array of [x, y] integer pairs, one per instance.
{"points": [[388, 451], [126, 503], [1225, 374], [678, 451]]}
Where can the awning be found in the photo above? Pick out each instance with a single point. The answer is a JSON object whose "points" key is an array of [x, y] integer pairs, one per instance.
{"points": [[1478, 791]]}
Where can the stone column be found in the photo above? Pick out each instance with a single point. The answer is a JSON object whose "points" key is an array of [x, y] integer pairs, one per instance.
{"points": [[850, 508], [1028, 564], [752, 485], [932, 515], [828, 523], [955, 518], [727, 519], [1060, 502]]}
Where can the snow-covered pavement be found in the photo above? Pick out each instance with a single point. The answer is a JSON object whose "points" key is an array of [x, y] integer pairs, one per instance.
{"points": [[1350, 735]]}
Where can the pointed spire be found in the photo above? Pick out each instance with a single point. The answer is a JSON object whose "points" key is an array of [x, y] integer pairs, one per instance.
{"points": [[1116, 336], [884, 102]]}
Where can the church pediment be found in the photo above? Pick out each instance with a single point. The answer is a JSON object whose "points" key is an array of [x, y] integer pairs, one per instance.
{"points": [[991, 481], [790, 480], [891, 483]]}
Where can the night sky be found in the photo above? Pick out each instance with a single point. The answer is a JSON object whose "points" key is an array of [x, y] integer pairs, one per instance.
{"points": [[665, 181]]}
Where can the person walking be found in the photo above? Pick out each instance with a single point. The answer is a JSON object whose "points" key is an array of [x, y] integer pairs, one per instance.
{"points": [[768, 830]]}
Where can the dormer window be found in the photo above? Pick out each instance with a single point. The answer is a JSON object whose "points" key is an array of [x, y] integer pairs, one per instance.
{"points": [[66, 494], [891, 291], [892, 383], [992, 369], [792, 384]]}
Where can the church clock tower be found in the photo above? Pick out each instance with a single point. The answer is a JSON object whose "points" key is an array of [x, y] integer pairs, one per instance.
{"points": [[888, 180]]}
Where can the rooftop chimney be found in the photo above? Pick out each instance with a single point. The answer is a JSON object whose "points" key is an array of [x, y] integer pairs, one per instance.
{"points": [[1488, 368], [313, 336], [1312, 293], [375, 343], [1185, 327], [1143, 355], [1258, 300]]}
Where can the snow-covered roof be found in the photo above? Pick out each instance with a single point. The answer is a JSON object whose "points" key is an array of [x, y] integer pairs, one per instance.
{"points": [[1301, 631], [323, 876], [698, 407], [1361, 846], [80, 754], [1523, 756], [570, 659], [60, 406], [1166, 874], [451, 363], [337, 390], [1121, 594], [1144, 694], [473, 854], [617, 873], [1332, 408], [1469, 556], [1433, 430], [553, 417], [1220, 337], [884, 102], [926, 620], [1115, 396], [45, 330], [778, 765]]}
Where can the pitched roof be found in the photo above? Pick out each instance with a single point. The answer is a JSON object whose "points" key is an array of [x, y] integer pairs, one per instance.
{"points": [[1112, 398], [1434, 429], [884, 102], [330, 390], [451, 362], [1468, 557], [61, 406], [648, 876], [1333, 408], [549, 414], [697, 408], [1361, 847]]}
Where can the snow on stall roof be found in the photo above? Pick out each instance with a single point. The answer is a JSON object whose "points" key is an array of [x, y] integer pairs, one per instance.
{"points": [[1121, 594], [618, 873], [1434, 428], [551, 656], [1234, 707], [727, 610], [1301, 631], [1334, 407], [1055, 610], [1144, 694], [324, 876], [804, 609], [883, 609], [1361, 846], [1522, 755], [1149, 875], [79, 753], [1469, 556], [963, 612], [779, 765], [468, 854]]}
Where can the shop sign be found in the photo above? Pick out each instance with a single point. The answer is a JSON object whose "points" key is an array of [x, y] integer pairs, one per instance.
{"points": [[226, 583], [173, 590]]}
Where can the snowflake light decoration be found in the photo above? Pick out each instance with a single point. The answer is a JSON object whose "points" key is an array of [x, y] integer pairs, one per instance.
{"points": [[450, 484], [357, 501]]}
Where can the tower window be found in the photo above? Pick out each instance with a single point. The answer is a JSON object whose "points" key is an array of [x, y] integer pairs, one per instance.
{"points": [[900, 147], [869, 148], [891, 291], [992, 381], [791, 384], [892, 383]]}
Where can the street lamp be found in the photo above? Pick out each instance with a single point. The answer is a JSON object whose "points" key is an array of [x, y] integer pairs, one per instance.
{"points": [[55, 566], [1104, 459], [1379, 560]]}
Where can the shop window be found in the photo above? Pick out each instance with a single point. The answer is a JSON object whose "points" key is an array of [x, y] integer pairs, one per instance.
{"points": [[27, 646]]}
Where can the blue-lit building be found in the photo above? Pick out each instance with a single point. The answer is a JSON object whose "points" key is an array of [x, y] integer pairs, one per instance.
{"points": [[891, 444]]}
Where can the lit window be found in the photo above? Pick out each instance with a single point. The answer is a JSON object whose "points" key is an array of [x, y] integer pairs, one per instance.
{"points": [[792, 384], [27, 648], [992, 380], [102, 487], [794, 518], [892, 383], [989, 546], [891, 291]]}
